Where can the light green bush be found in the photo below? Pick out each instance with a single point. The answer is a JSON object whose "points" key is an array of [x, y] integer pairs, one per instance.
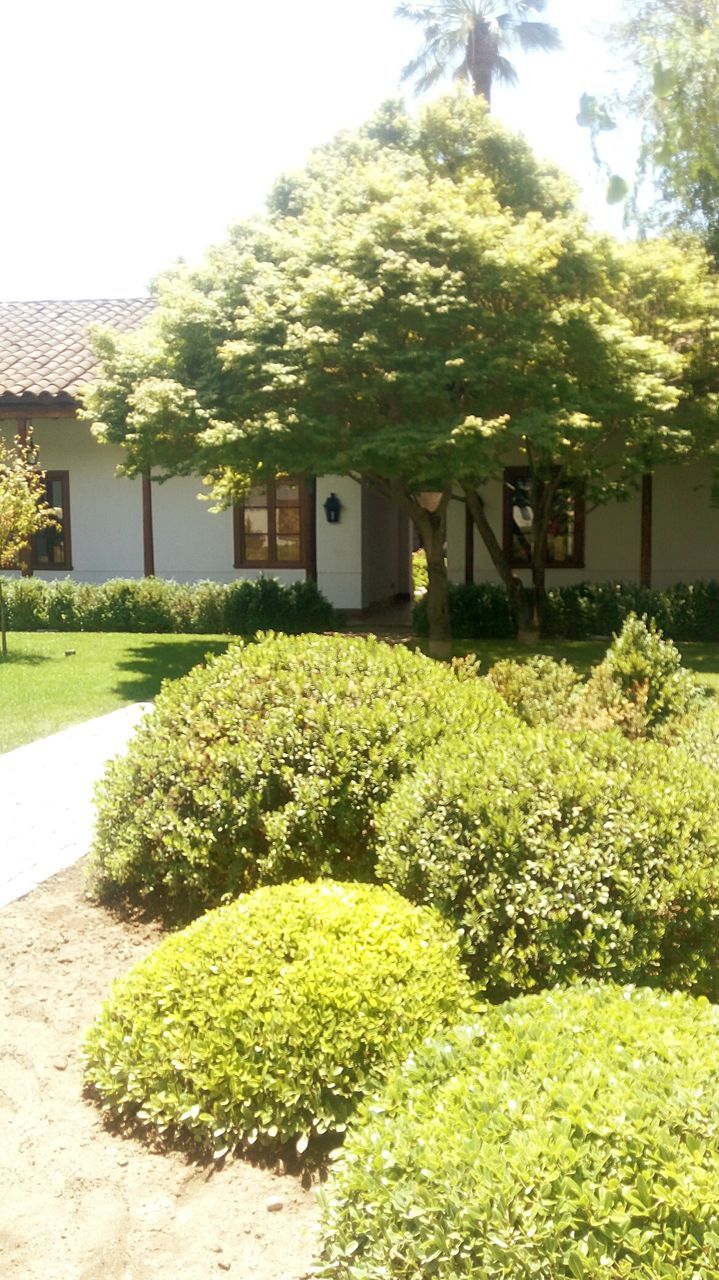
{"points": [[267, 1020], [538, 689], [562, 857], [569, 1135], [641, 683], [270, 763]]}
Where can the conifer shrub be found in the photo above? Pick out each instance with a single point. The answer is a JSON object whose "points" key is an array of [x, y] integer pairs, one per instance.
{"points": [[266, 1021], [539, 689], [269, 763], [563, 857], [568, 1135]]}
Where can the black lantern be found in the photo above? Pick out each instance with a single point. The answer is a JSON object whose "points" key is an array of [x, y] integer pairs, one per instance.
{"points": [[333, 507]]}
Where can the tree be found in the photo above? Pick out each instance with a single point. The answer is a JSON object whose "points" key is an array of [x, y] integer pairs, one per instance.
{"points": [[470, 38], [671, 51], [23, 510], [422, 306]]}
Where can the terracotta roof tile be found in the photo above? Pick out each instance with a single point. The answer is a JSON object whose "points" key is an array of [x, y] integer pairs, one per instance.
{"points": [[45, 351]]}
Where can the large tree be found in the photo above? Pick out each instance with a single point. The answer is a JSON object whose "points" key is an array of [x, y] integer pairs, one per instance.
{"points": [[670, 52], [421, 306], [23, 511], [469, 39]]}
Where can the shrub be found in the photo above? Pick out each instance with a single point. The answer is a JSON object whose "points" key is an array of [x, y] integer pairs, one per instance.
{"points": [[567, 1135], [640, 684], [160, 605], [559, 859], [420, 576], [539, 690], [477, 610], [269, 763], [266, 1021]]}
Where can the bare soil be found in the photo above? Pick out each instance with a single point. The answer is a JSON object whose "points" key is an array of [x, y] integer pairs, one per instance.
{"points": [[79, 1202]]}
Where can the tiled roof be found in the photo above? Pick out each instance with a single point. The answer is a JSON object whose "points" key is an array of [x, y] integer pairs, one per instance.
{"points": [[45, 351]]}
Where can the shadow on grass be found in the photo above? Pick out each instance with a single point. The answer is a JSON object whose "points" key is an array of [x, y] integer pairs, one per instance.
{"points": [[148, 665], [25, 659]]}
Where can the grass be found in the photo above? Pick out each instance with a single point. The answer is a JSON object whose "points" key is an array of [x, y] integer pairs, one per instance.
{"points": [[55, 679]]}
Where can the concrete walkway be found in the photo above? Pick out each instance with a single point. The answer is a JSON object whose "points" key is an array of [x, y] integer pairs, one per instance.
{"points": [[46, 790]]}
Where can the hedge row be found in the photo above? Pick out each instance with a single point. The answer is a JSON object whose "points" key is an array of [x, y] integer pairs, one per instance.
{"points": [[683, 612], [160, 605]]}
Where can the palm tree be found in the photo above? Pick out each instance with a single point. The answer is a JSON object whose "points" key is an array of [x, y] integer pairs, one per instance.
{"points": [[470, 37]]}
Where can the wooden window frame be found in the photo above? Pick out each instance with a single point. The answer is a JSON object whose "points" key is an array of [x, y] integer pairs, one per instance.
{"points": [[243, 561], [35, 565], [576, 560]]}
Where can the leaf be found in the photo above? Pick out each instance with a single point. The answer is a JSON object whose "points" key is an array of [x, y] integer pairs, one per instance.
{"points": [[617, 189]]}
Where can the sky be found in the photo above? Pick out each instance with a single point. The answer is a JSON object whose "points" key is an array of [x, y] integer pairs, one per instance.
{"points": [[135, 133]]}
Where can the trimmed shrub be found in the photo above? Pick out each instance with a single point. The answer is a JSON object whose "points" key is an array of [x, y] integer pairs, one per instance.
{"points": [[560, 859], [269, 763], [640, 684], [539, 690], [567, 1135], [266, 1021], [160, 605], [687, 611]]}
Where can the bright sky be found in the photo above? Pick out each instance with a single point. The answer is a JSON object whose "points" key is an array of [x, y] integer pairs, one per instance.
{"points": [[136, 132]]}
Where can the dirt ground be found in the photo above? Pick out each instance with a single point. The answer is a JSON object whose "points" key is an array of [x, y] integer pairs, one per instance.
{"points": [[78, 1202]]}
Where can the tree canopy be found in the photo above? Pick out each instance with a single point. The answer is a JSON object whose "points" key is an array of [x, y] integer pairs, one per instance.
{"points": [[421, 305], [23, 510]]}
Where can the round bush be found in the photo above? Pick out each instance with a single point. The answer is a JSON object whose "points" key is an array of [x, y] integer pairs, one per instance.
{"points": [[572, 1134], [269, 764], [538, 689], [267, 1020], [560, 859]]}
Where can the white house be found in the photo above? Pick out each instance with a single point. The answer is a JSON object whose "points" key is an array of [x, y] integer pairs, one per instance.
{"points": [[118, 527]]}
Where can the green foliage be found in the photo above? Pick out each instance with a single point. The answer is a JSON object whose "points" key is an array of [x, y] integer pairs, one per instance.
{"points": [[687, 611], [266, 1021], [419, 573], [563, 857], [159, 605], [539, 690], [570, 1135], [641, 683], [696, 735], [270, 763]]}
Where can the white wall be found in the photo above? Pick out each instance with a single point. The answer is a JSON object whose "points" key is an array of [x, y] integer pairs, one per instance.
{"points": [[385, 549], [339, 546]]}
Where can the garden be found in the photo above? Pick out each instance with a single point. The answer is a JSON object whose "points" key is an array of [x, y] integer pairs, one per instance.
{"points": [[438, 940]]}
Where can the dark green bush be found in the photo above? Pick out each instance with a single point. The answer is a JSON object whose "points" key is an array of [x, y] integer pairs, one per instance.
{"points": [[538, 689], [159, 605], [269, 763], [561, 859], [570, 1135], [682, 612], [267, 1021]]}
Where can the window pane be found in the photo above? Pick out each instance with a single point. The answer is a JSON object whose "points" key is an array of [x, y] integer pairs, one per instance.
{"points": [[522, 517], [257, 546], [256, 520], [257, 497], [288, 491], [561, 534], [288, 520], [288, 548]]}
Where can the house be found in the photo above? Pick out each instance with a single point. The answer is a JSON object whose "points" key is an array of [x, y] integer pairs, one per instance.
{"points": [[114, 526]]}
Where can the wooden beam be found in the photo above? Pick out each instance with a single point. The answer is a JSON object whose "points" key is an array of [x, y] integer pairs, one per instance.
{"points": [[468, 547], [32, 413], [21, 425], [645, 552], [148, 541]]}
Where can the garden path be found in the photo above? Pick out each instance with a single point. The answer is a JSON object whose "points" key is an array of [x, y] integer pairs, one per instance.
{"points": [[46, 791]]}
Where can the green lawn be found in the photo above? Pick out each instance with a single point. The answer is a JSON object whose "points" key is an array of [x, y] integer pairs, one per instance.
{"points": [[44, 686]]}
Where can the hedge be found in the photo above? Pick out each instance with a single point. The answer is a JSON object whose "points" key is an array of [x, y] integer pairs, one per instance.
{"points": [[269, 763], [569, 1135], [265, 1022], [160, 605], [683, 612], [563, 857]]}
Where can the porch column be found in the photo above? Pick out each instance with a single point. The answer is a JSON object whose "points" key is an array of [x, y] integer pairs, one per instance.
{"points": [[148, 541], [468, 548], [645, 553]]}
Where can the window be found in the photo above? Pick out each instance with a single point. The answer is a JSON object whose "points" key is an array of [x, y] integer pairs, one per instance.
{"points": [[565, 536], [51, 547], [272, 526]]}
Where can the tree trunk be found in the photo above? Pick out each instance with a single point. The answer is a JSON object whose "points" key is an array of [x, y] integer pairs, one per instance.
{"points": [[519, 607], [432, 529], [480, 55], [3, 624]]}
